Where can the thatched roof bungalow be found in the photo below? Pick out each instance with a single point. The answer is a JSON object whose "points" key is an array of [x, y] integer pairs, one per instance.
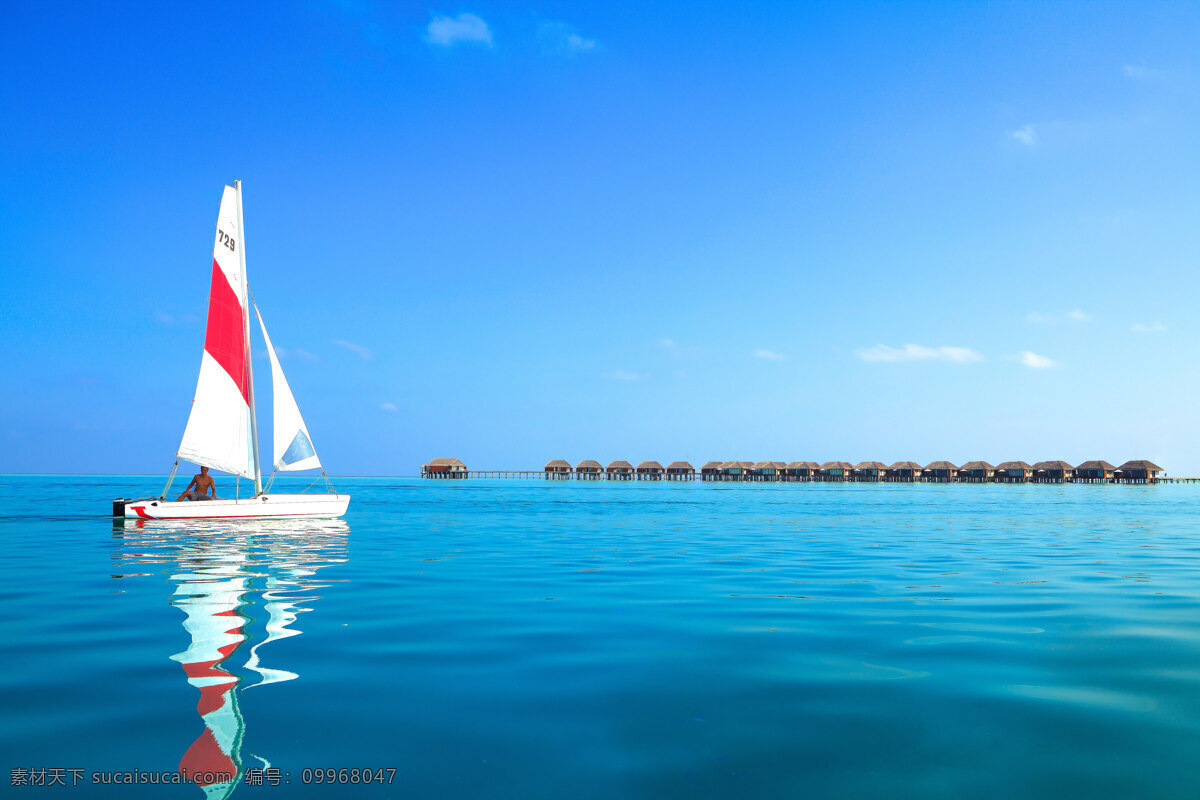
{"points": [[836, 470], [939, 472], [1052, 472], [976, 472], [619, 471], [801, 470], [1094, 471], [765, 470], [650, 471], [588, 470], [870, 471], [1013, 472], [708, 472], [1139, 471], [680, 471], [558, 469], [904, 471], [733, 470], [444, 468]]}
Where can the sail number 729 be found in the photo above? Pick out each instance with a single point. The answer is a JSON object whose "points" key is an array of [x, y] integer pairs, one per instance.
{"points": [[226, 240]]}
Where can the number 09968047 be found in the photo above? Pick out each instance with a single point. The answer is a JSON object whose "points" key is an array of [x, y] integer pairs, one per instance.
{"points": [[348, 776]]}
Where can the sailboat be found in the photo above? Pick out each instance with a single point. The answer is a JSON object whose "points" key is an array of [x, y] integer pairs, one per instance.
{"points": [[222, 431]]}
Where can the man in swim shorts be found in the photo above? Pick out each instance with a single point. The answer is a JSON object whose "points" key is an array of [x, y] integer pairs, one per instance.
{"points": [[204, 487]]}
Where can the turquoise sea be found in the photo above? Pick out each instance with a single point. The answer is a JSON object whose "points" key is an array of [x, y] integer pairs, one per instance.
{"points": [[508, 639]]}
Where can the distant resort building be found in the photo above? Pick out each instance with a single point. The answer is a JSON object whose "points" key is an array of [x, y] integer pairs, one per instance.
{"points": [[801, 471], [558, 470], [765, 471], [650, 471], [619, 471], [904, 472], [1052, 472], [680, 471], [869, 471], [976, 472], [939, 472], [1013, 472], [589, 471], [1094, 472], [444, 468], [835, 471], [1137, 472]]}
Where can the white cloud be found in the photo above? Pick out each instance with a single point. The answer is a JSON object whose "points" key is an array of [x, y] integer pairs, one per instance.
{"points": [[447, 31], [1143, 73], [1155, 327], [1025, 135], [1038, 318], [388, 407], [769, 355], [622, 375], [358, 349], [1035, 361], [307, 356], [562, 38], [916, 352], [668, 344]]}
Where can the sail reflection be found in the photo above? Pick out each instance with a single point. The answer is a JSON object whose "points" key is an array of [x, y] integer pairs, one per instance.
{"points": [[227, 576]]}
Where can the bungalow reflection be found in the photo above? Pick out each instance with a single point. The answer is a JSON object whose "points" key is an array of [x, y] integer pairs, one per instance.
{"points": [[227, 575]]}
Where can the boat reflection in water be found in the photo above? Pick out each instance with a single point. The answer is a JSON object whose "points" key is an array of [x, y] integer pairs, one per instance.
{"points": [[226, 575]]}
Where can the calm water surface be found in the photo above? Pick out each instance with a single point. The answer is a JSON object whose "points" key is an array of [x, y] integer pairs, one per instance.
{"points": [[535, 640]]}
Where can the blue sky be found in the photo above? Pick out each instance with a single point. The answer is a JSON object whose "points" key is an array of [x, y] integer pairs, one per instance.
{"points": [[516, 232]]}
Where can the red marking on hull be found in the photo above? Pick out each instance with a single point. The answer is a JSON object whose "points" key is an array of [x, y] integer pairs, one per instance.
{"points": [[224, 516], [225, 336]]}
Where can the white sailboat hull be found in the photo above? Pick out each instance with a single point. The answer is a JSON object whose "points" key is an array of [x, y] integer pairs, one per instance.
{"points": [[267, 506]]}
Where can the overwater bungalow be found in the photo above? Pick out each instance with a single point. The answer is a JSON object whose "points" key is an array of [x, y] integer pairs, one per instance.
{"points": [[649, 471], [1139, 471], [680, 471], [836, 471], [1094, 472], [734, 470], [869, 471], [764, 471], [1052, 472], [904, 472], [588, 471], [1013, 472], [939, 472], [801, 471], [619, 471], [976, 472], [444, 468], [558, 470], [708, 472]]}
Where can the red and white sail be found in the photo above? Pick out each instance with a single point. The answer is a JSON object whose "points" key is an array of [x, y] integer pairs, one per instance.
{"points": [[218, 430], [293, 449]]}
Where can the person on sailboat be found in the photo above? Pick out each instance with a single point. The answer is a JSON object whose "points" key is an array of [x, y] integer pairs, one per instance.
{"points": [[204, 486]]}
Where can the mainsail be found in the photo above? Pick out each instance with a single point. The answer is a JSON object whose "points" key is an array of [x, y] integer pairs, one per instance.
{"points": [[293, 449], [218, 431]]}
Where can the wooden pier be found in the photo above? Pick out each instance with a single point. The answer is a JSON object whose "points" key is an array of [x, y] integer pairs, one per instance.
{"points": [[1138, 472]]}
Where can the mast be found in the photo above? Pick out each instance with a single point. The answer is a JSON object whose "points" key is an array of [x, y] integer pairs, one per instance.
{"points": [[246, 327]]}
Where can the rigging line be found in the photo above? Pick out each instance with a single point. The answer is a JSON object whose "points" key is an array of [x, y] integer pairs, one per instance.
{"points": [[170, 480]]}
